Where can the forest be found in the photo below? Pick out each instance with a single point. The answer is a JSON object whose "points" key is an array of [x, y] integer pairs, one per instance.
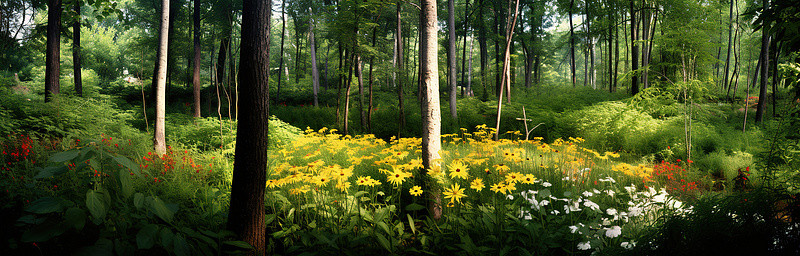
{"points": [[399, 127]]}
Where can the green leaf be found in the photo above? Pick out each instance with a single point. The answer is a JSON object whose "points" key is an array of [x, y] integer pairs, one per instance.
{"points": [[75, 218], [160, 209], [125, 184], [51, 171], [95, 204], [127, 163], [146, 236], [385, 228], [181, 246], [45, 205], [138, 200], [414, 207], [43, 232], [383, 241], [64, 156], [101, 247], [239, 244], [411, 224], [166, 237]]}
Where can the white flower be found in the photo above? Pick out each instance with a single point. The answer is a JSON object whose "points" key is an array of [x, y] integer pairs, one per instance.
{"points": [[510, 197], [574, 206], [611, 211], [614, 231], [544, 202], [554, 212], [584, 246], [631, 189], [565, 179], [634, 211], [546, 184], [609, 192], [528, 216], [606, 222], [608, 179], [587, 194], [591, 205], [628, 245], [573, 229], [594, 190]]}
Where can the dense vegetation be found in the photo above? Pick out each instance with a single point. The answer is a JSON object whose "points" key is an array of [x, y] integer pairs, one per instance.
{"points": [[678, 133]]}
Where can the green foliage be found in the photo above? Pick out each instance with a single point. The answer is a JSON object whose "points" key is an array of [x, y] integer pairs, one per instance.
{"points": [[614, 125]]}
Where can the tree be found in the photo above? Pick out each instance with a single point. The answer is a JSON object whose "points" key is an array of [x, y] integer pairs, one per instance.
{"points": [[431, 116], [160, 79], [400, 72], [246, 218], [634, 51], [196, 65], [76, 48], [53, 52], [765, 41], [451, 56], [314, 71]]}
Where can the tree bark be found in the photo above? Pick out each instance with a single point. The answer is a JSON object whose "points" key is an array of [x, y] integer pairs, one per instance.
{"points": [[52, 71], [464, 51], [764, 65], [400, 72], [280, 61], [196, 65], [246, 218], [314, 71], [431, 116], [571, 43], [634, 51], [484, 51], [451, 60], [76, 49], [160, 81], [725, 83], [506, 61]]}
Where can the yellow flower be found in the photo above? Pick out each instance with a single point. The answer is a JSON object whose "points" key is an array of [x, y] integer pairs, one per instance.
{"points": [[300, 190], [415, 191], [528, 179], [476, 184], [397, 177], [458, 170], [272, 183], [501, 168], [454, 193], [514, 177], [498, 188], [510, 187], [320, 180]]}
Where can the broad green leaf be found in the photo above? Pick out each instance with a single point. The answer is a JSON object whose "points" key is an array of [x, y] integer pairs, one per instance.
{"points": [[127, 163], [383, 241], [411, 224], [51, 171], [138, 200], [64, 156], [45, 205], [160, 209], [385, 228], [414, 207], [75, 218], [95, 204], [166, 237], [239, 244], [146, 236], [125, 184]]}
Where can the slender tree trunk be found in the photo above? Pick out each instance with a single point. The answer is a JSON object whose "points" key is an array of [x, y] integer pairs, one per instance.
{"points": [[484, 51], [572, 42], [369, 110], [400, 72], [159, 142], [314, 71], [776, 50], [762, 93], [173, 13], [451, 54], [634, 51], [464, 51], [431, 116], [728, 55], [246, 217], [360, 77], [280, 61], [506, 61], [196, 65], [469, 70], [297, 53], [645, 19], [76, 49], [52, 71]]}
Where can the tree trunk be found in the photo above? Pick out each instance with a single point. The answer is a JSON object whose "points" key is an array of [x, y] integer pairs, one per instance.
{"points": [[506, 61], [314, 71], [400, 72], [762, 92], [728, 55], [484, 51], [280, 61], [451, 54], [369, 110], [76, 49], [196, 65], [246, 218], [571, 42], [634, 52], [464, 51], [431, 116], [361, 109], [53, 55], [159, 142]]}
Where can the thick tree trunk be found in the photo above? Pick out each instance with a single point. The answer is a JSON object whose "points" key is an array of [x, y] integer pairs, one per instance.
{"points": [[634, 52], [159, 142], [196, 65], [451, 60], [314, 71], [431, 116], [246, 218], [53, 55], [76, 49]]}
